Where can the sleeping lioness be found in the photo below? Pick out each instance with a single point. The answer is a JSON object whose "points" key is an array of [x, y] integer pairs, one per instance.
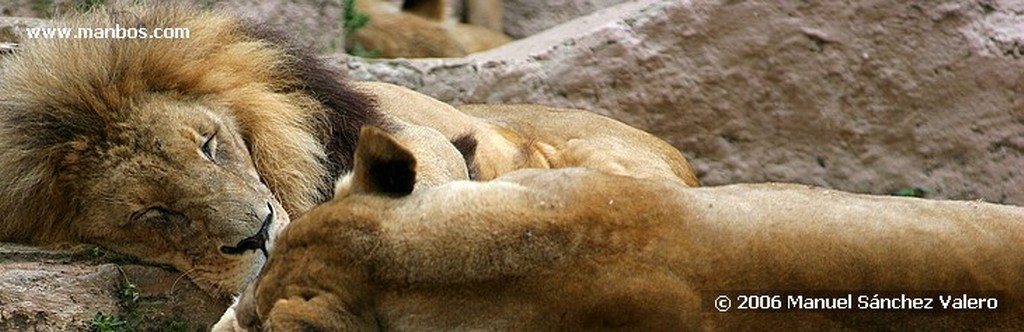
{"points": [[579, 250], [418, 29], [511, 137]]}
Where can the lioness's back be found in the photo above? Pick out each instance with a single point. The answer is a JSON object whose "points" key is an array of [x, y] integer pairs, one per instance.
{"points": [[580, 135]]}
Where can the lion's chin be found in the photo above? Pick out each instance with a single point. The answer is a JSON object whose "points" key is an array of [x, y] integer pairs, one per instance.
{"points": [[227, 279]]}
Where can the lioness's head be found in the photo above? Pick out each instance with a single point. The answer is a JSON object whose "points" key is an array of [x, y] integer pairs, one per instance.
{"points": [[184, 151], [312, 298]]}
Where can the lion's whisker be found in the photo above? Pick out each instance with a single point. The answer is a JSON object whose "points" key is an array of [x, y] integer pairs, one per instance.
{"points": [[183, 275]]}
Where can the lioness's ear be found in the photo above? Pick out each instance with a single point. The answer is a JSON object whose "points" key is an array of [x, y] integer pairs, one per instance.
{"points": [[466, 144], [382, 165]]}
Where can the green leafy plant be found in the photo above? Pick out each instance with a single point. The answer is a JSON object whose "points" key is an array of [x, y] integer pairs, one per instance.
{"points": [[131, 300], [353, 18], [175, 326], [86, 5], [352, 21], [129, 295], [360, 51], [128, 299], [108, 323], [49, 8], [910, 192], [102, 255], [43, 8]]}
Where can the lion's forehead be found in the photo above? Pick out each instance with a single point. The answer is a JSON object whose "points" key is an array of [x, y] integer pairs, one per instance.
{"points": [[120, 145], [157, 129]]}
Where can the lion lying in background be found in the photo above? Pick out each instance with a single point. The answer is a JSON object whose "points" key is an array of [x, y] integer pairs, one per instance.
{"points": [[505, 138], [576, 249], [175, 151], [421, 30], [486, 13]]}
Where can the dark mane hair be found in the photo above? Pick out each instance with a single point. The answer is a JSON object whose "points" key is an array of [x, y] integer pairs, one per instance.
{"points": [[297, 116], [347, 110]]}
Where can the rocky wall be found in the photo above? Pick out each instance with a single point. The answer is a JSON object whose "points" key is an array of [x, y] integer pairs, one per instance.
{"points": [[864, 96]]}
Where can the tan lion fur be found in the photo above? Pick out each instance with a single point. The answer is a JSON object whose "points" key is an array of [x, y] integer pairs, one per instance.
{"points": [[436, 162], [485, 13], [511, 137], [93, 132], [580, 250], [422, 33]]}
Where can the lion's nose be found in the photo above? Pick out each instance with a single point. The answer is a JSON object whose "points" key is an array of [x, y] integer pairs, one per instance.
{"points": [[256, 242]]}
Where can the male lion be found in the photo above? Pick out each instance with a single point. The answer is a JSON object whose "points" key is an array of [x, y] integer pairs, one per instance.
{"points": [[486, 13], [176, 151], [580, 250]]}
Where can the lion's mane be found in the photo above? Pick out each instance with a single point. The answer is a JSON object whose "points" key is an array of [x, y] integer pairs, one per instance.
{"points": [[299, 122]]}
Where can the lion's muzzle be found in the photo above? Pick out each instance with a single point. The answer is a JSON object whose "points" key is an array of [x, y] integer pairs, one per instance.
{"points": [[257, 241]]}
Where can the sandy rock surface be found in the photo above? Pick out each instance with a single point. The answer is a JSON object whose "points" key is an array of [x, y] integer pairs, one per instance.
{"points": [[12, 29], [314, 22], [65, 289], [527, 17], [23, 8], [865, 96]]}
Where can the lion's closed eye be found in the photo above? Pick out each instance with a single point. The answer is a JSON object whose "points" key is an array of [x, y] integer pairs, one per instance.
{"points": [[157, 215], [209, 148]]}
